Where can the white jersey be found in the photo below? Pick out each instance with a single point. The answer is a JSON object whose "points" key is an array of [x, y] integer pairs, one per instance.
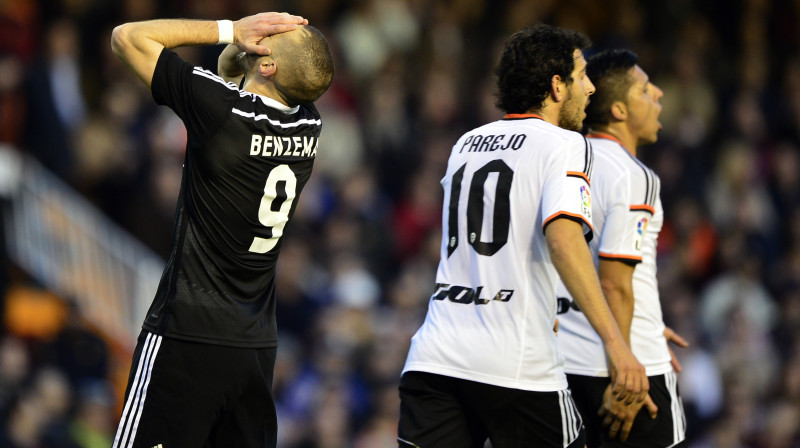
{"points": [[491, 316], [627, 216]]}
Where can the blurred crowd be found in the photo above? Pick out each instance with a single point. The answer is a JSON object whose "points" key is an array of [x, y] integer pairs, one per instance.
{"points": [[358, 261]]}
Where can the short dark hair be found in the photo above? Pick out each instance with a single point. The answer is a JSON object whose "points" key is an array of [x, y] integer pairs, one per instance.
{"points": [[307, 68], [312, 73], [531, 57], [609, 71]]}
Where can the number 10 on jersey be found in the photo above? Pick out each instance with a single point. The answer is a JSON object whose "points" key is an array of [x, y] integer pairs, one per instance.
{"points": [[501, 211]]}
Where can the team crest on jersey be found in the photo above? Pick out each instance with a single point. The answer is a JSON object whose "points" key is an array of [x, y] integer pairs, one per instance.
{"points": [[586, 201], [641, 227]]}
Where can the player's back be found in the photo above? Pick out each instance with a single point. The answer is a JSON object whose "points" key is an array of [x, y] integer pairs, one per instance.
{"points": [[627, 216], [490, 318], [247, 160]]}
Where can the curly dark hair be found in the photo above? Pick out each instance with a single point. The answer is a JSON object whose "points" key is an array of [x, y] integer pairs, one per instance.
{"points": [[531, 57], [609, 71]]}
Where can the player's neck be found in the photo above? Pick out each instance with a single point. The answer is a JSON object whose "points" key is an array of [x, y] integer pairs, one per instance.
{"points": [[266, 89], [549, 112], [616, 133]]}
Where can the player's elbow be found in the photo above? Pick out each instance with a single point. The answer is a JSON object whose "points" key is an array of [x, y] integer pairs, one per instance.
{"points": [[557, 245], [120, 40], [614, 289], [126, 39]]}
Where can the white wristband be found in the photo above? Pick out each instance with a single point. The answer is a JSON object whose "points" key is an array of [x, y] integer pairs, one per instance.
{"points": [[225, 31]]}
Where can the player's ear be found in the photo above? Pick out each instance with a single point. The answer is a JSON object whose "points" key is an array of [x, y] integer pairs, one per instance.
{"points": [[619, 111], [557, 88], [267, 66]]}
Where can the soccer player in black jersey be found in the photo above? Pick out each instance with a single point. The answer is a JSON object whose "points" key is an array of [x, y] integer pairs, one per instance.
{"points": [[202, 369]]}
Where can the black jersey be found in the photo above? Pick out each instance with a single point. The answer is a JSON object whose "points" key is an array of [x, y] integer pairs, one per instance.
{"points": [[247, 160]]}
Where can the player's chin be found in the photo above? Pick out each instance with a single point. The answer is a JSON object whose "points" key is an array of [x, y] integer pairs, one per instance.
{"points": [[575, 125], [650, 139]]}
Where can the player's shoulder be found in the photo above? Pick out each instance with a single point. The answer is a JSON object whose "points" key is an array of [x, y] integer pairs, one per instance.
{"points": [[530, 124], [274, 113], [554, 133], [614, 157], [213, 78], [616, 164], [613, 160]]}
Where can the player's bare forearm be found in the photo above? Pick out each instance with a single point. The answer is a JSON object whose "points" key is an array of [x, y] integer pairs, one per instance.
{"points": [[616, 280], [573, 261], [138, 44], [228, 67]]}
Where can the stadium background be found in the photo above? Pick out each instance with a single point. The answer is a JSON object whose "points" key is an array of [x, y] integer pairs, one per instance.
{"points": [[358, 262]]}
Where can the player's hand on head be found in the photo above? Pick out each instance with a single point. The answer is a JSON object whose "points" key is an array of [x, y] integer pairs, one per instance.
{"points": [[249, 31], [618, 417]]}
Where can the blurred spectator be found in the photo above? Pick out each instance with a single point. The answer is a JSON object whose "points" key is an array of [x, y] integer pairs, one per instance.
{"points": [[23, 425], [94, 422], [782, 426], [373, 29], [417, 214], [12, 99], [15, 366], [687, 245], [77, 351], [737, 297], [737, 197], [55, 100]]}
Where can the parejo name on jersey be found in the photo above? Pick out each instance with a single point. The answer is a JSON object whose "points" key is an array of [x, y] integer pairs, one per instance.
{"points": [[275, 146], [483, 143]]}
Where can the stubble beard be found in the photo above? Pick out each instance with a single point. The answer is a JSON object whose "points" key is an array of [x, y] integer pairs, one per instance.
{"points": [[570, 117]]}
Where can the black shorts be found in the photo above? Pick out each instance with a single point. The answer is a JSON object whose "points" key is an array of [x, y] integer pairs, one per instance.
{"points": [[188, 394], [667, 430], [587, 391], [441, 411]]}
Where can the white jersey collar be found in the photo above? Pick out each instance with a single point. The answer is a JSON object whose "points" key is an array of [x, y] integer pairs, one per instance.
{"points": [[269, 102]]}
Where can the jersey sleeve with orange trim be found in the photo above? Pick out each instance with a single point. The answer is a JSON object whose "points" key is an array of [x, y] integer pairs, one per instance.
{"points": [[567, 192], [625, 222]]}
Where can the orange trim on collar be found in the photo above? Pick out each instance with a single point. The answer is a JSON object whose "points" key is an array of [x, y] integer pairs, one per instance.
{"points": [[605, 136], [523, 116]]}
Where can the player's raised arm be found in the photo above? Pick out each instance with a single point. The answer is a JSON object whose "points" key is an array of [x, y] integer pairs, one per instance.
{"points": [[139, 44], [573, 261]]}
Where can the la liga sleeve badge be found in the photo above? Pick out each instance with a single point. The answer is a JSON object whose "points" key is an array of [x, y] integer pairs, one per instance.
{"points": [[586, 201]]}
